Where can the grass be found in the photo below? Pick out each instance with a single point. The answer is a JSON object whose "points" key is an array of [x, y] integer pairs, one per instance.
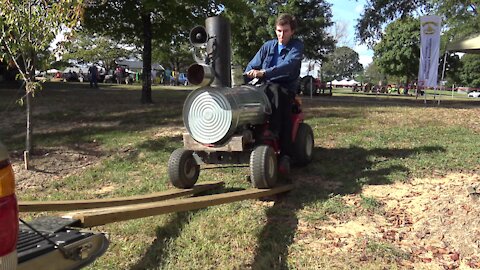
{"points": [[359, 140]]}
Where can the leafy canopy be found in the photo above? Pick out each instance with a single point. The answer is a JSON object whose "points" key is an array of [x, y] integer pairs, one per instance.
{"points": [[28, 27], [253, 23], [460, 18], [342, 63], [92, 48], [470, 71], [397, 53]]}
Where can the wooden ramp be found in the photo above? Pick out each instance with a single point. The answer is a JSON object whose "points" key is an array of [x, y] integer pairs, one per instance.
{"points": [[33, 206], [102, 216]]}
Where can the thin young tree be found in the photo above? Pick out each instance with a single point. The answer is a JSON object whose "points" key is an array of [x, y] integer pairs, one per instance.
{"points": [[27, 28]]}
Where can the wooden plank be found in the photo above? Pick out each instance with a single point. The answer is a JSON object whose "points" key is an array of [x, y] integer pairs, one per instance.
{"points": [[101, 216], [32, 206], [235, 144]]}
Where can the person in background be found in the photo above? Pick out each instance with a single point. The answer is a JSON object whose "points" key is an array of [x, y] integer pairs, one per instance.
{"points": [[93, 74], [154, 75]]}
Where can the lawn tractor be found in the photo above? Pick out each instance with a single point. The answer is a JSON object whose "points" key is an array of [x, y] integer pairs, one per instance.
{"points": [[229, 125]]}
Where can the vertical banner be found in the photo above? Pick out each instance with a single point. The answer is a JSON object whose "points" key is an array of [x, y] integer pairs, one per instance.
{"points": [[430, 27]]}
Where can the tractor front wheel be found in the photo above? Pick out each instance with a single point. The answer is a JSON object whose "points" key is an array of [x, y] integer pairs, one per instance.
{"points": [[183, 170], [263, 167]]}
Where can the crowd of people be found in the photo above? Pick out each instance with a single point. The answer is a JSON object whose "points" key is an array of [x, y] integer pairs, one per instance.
{"points": [[121, 75]]}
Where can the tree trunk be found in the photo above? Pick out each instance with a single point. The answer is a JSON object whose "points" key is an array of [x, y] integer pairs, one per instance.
{"points": [[147, 59], [28, 137]]}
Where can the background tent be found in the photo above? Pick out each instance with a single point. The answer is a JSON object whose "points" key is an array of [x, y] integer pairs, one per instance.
{"points": [[470, 45]]}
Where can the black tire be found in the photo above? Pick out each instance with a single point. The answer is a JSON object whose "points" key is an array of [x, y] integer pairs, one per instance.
{"points": [[263, 167], [183, 170], [303, 145]]}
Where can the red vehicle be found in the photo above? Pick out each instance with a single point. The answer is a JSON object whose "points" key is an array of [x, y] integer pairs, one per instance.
{"points": [[47, 243], [8, 214], [244, 138]]}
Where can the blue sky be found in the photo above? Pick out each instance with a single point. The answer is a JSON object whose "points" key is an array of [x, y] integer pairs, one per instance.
{"points": [[348, 11]]}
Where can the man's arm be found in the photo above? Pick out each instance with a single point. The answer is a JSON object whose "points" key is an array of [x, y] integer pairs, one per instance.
{"points": [[255, 65], [257, 60]]}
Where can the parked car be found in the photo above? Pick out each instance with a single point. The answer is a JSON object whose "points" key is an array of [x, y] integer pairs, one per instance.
{"points": [[474, 94], [23, 248]]}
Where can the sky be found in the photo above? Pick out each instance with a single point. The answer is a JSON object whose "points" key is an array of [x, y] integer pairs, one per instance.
{"points": [[348, 11]]}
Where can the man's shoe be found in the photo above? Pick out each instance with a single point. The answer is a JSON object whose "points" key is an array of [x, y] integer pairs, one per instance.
{"points": [[284, 165]]}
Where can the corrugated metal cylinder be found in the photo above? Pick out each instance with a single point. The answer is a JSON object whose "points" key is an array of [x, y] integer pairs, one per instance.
{"points": [[212, 115]]}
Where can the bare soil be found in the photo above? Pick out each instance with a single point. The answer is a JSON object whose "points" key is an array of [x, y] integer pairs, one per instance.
{"points": [[431, 223]]}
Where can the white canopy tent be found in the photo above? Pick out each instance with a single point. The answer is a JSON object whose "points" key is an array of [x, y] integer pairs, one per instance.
{"points": [[52, 71], [469, 45], [344, 83]]}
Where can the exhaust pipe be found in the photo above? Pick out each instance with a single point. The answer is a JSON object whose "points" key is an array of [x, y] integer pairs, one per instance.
{"points": [[200, 74]]}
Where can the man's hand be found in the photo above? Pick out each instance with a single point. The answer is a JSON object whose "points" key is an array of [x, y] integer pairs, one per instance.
{"points": [[255, 73]]}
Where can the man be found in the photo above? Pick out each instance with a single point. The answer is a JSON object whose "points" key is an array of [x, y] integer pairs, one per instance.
{"points": [[279, 61], [93, 74]]}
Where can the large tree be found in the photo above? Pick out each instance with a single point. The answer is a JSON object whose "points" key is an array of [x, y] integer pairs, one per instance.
{"points": [[451, 73], [460, 17], [140, 21], [92, 48], [253, 22], [470, 71], [373, 74], [342, 63], [26, 30], [398, 52]]}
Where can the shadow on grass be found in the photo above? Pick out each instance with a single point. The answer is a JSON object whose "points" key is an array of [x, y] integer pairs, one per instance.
{"points": [[154, 256], [349, 169], [72, 111], [163, 144]]}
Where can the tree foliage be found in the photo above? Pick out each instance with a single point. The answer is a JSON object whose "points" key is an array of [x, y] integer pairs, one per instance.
{"points": [[26, 30], [459, 17], [122, 19], [87, 48], [342, 63], [253, 22], [176, 55], [398, 52], [373, 74], [453, 67], [141, 21], [470, 71], [28, 27]]}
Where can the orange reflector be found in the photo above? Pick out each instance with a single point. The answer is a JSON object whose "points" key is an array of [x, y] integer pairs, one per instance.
{"points": [[7, 181]]}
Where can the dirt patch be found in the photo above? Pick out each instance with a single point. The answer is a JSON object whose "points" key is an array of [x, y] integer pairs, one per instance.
{"points": [[53, 164], [430, 223]]}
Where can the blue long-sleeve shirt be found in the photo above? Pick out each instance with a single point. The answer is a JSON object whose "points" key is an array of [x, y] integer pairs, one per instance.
{"points": [[287, 69]]}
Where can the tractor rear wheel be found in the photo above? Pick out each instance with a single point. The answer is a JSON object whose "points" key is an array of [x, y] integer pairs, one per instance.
{"points": [[303, 145], [183, 170], [263, 167]]}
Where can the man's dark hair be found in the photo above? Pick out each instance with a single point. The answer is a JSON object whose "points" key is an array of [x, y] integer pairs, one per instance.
{"points": [[284, 19]]}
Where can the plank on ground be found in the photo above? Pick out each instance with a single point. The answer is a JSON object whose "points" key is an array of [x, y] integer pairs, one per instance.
{"points": [[32, 206], [102, 216]]}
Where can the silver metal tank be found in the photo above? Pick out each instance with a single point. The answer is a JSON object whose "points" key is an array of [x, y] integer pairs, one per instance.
{"points": [[212, 114]]}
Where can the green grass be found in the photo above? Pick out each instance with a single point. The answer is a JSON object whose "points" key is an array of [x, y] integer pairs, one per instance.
{"points": [[360, 140]]}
